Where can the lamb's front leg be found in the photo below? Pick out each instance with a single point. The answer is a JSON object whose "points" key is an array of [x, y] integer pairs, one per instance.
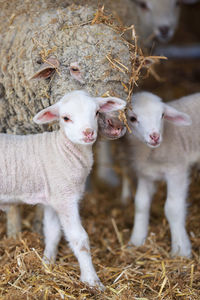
{"points": [[175, 211], [79, 242], [144, 193], [52, 234]]}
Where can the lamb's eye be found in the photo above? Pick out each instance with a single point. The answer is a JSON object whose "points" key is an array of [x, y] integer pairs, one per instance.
{"points": [[66, 119], [143, 5], [133, 119], [162, 115], [97, 113]]}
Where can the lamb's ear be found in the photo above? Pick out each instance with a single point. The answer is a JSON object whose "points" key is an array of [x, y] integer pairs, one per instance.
{"points": [[47, 69], [109, 104], [47, 115], [174, 116]]}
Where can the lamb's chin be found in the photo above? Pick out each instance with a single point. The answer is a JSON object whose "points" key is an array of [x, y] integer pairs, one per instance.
{"points": [[153, 146]]}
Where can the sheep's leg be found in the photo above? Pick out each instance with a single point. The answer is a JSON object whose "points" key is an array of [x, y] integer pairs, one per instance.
{"points": [[37, 221], [13, 220], [144, 193], [126, 189], [104, 161], [79, 243], [52, 234], [175, 211]]}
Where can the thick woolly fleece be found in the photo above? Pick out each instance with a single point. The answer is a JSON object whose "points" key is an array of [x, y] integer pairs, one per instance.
{"points": [[42, 29], [33, 175]]}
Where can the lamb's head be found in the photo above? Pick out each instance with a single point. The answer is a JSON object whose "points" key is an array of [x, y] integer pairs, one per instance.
{"points": [[78, 113], [146, 118], [110, 126], [157, 19]]}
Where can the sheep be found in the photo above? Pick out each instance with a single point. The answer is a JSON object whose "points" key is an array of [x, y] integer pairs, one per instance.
{"points": [[163, 145], [51, 168], [154, 21], [49, 48]]}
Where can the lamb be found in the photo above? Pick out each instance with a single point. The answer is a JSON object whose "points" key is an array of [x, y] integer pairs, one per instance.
{"points": [[163, 145], [51, 168]]}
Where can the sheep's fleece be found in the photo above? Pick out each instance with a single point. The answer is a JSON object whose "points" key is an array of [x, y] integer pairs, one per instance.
{"points": [[30, 30]]}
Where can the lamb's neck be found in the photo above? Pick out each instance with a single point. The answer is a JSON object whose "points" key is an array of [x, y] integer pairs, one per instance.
{"points": [[83, 153]]}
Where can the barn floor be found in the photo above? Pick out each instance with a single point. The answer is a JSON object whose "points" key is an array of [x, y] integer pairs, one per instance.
{"points": [[146, 272]]}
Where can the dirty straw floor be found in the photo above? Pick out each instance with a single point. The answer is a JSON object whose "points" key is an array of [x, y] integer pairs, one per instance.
{"points": [[147, 272]]}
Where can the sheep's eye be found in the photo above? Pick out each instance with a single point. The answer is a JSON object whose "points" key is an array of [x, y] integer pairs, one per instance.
{"points": [[133, 119], [66, 119], [97, 113], [74, 69], [143, 5], [163, 115]]}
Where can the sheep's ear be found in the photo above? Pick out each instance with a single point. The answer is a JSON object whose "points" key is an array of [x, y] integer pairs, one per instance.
{"points": [[47, 115], [47, 69], [176, 117], [109, 104]]}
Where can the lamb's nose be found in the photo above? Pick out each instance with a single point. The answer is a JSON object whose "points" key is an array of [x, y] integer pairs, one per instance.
{"points": [[155, 136], [88, 132], [164, 31]]}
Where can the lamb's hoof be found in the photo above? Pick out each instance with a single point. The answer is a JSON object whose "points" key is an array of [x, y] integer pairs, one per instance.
{"points": [[181, 253], [137, 242], [94, 283]]}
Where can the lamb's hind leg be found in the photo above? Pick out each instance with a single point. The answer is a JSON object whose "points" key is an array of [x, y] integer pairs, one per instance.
{"points": [[13, 217], [79, 242], [175, 211]]}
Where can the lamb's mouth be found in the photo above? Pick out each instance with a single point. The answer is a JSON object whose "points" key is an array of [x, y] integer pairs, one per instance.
{"points": [[88, 140], [153, 144]]}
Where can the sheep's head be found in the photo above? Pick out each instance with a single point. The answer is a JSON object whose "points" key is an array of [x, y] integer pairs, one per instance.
{"points": [[110, 126], [157, 19], [78, 114], [147, 115]]}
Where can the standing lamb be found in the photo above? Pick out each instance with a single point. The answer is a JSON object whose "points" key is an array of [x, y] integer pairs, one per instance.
{"points": [[160, 148], [51, 169]]}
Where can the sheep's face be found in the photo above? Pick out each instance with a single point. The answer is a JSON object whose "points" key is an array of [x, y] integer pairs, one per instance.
{"points": [[78, 115], [110, 126], [157, 19], [146, 118]]}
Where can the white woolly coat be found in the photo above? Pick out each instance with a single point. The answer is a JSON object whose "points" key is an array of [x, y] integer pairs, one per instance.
{"points": [[43, 168]]}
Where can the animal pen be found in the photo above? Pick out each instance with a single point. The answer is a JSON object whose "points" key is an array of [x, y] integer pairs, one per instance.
{"points": [[127, 272]]}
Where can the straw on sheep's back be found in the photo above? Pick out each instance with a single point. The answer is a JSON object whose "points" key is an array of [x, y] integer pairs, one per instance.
{"points": [[74, 52]]}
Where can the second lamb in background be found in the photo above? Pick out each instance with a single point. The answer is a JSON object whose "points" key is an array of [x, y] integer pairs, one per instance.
{"points": [[163, 145]]}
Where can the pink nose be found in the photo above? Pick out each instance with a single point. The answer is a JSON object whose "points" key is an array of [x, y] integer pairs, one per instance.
{"points": [[116, 131], [155, 136], [88, 132]]}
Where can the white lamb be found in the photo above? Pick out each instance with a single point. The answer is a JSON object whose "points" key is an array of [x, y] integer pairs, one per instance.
{"points": [[51, 169], [160, 148]]}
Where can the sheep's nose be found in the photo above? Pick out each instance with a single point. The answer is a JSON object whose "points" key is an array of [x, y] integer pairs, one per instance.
{"points": [[155, 137], [116, 131], [88, 132], [164, 31]]}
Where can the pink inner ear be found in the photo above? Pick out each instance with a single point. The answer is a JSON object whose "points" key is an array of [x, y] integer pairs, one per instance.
{"points": [[47, 116], [177, 118], [108, 105]]}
